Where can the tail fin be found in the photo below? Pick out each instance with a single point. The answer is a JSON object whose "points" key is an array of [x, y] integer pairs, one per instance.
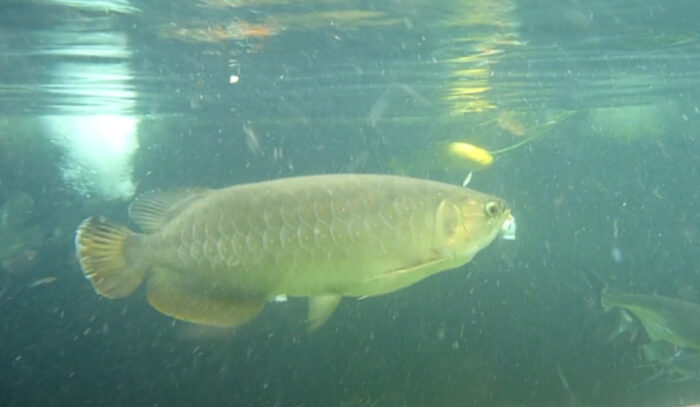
{"points": [[101, 249]]}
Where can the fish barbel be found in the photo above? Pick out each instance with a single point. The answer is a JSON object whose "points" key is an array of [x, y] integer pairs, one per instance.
{"points": [[216, 256]]}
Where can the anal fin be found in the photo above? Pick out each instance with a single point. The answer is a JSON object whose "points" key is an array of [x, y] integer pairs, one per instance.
{"points": [[169, 294], [321, 307]]}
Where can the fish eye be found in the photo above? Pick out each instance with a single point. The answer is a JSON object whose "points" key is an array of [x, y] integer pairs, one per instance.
{"points": [[492, 208]]}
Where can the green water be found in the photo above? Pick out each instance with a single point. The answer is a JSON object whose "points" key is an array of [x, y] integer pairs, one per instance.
{"points": [[229, 92]]}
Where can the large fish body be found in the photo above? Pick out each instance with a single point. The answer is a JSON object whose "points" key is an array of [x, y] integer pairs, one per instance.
{"points": [[215, 256]]}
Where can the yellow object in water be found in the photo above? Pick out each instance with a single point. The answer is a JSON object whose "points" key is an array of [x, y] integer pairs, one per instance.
{"points": [[474, 154], [216, 257]]}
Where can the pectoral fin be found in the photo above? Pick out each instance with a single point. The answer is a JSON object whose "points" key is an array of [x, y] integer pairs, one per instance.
{"points": [[447, 218], [321, 307], [396, 279], [417, 271], [169, 294]]}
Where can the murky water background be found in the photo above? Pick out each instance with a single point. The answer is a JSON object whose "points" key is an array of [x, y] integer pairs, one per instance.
{"points": [[220, 92]]}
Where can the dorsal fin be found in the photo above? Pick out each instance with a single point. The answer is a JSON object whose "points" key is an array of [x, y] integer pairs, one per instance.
{"points": [[152, 209]]}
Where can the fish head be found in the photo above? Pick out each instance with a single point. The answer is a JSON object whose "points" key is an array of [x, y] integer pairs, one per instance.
{"points": [[468, 223]]}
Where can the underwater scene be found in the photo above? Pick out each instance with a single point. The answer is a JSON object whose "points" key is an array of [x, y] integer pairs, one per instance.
{"points": [[358, 203]]}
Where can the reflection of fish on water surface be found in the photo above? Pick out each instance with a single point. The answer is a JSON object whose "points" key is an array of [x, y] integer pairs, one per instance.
{"points": [[216, 257]]}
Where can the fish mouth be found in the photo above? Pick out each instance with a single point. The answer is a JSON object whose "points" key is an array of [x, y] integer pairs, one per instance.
{"points": [[508, 228]]}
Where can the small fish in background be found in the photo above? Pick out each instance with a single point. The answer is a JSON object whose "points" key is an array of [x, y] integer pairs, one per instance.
{"points": [[511, 123], [251, 140], [663, 318], [673, 329], [42, 281], [666, 330], [216, 257], [670, 363]]}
